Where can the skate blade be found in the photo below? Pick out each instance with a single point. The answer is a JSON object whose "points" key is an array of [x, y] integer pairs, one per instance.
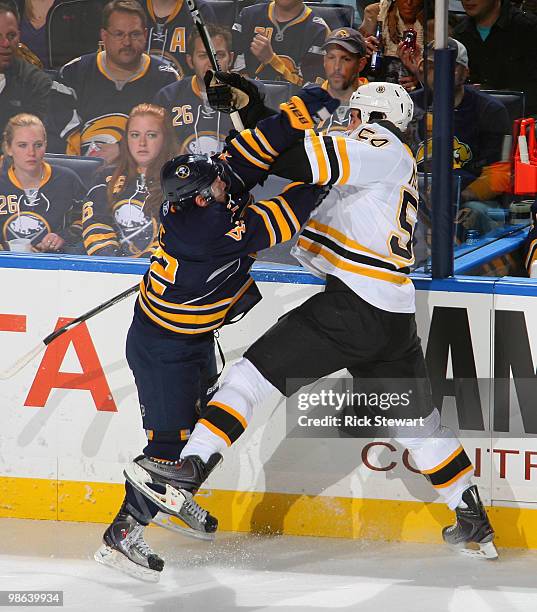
{"points": [[113, 558], [483, 550], [171, 501], [176, 525]]}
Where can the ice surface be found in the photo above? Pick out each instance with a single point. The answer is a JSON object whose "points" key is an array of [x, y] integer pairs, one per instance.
{"points": [[247, 573]]}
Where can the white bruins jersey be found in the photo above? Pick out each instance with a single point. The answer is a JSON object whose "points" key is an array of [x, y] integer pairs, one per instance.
{"points": [[362, 232]]}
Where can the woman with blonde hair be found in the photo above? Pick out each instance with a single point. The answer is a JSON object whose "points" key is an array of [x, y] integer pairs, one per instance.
{"points": [[120, 216], [40, 203]]}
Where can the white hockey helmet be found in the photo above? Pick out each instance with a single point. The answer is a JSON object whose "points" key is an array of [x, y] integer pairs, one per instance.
{"points": [[390, 99]]}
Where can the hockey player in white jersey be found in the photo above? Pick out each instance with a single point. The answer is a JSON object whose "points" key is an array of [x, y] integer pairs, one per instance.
{"points": [[360, 242]]}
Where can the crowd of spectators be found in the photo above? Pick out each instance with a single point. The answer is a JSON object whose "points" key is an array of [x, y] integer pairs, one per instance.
{"points": [[140, 91]]}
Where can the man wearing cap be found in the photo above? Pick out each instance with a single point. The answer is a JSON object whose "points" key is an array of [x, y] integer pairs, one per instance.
{"points": [[345, 57], [480, 124]]}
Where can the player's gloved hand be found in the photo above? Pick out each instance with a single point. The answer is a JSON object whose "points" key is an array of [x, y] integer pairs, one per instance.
{"points": [[229, 91], [310, 105]]}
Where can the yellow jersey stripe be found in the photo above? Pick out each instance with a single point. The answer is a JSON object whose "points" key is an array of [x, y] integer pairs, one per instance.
{"points": [[279, 218], [345, 265], [97, 237], [345, 166], [265, 142], [290, 212], [153, 298], [320, 155], [249, 157], [98, 247], [346, 241], [250, 140], [193, 319], [266, 221], [97, 226], [171, 327]]}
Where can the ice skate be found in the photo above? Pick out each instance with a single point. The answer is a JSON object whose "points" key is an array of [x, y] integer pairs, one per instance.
{"points": [[171, 485], [472, 534], [125, 549]]}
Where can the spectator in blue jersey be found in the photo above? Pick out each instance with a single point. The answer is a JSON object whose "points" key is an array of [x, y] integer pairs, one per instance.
{"points": [[120, 215], [281, 40], [198, 127], [502, 47], [95, 93], [481, 124], [169, 23], [42, 202]]}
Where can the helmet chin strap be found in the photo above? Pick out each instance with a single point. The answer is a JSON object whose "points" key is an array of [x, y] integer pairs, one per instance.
{"points": [[207, 194]]}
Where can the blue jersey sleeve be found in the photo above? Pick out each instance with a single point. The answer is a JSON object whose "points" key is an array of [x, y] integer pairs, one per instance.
{"points": [[268, 222]]}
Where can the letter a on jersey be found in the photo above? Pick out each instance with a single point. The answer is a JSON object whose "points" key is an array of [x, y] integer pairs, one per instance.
{"points": [[91, 378]]}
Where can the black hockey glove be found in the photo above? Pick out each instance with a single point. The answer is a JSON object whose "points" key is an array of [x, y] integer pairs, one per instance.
{"points": [[228, 92]]}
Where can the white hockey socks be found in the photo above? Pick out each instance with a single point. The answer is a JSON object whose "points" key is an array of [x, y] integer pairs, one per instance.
{"points": [[228, 413], [439, 455]]}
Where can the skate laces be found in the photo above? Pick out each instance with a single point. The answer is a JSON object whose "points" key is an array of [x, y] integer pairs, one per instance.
{"points": [[194, 509], [135, 539]]}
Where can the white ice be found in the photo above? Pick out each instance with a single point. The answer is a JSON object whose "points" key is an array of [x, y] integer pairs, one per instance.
{"points": [[247, 573]]}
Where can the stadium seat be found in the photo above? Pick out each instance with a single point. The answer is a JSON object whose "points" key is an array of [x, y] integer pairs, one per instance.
{"points": [[335, 15], [85, 167], [224, 11], [515, 101], [73, 30]]}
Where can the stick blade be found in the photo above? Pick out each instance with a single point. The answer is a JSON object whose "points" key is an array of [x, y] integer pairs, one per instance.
{"points": [[22, 362]]}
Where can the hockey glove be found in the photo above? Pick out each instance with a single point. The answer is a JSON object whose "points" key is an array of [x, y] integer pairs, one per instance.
{"points": [[311, 105], [228, 92]]}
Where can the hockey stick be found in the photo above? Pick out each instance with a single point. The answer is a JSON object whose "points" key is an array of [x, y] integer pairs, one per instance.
{"points": [[208, 44], [25, 359]]}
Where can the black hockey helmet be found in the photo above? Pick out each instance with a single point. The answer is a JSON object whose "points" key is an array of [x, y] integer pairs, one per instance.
{"points": [[186, 176]]}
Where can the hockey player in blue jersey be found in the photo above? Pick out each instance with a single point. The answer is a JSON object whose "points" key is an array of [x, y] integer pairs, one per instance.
{"points": [[198, 280]]}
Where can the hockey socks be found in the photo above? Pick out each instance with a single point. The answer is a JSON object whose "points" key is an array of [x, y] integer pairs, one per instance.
{"points": [[440, 457], [227, 415]]}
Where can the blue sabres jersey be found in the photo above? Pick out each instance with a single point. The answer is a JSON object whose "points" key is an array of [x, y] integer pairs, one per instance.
{"points": [[480, 126], [55, 206], [198, 127], [166, 39], [125, 226], [297, 44], [88, 107]]}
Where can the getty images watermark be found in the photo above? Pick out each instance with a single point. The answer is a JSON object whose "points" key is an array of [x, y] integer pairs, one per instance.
{"points": [[365, 408]]}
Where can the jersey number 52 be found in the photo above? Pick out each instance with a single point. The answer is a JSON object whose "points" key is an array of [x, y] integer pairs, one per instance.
{"points": [[401, 241]]}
